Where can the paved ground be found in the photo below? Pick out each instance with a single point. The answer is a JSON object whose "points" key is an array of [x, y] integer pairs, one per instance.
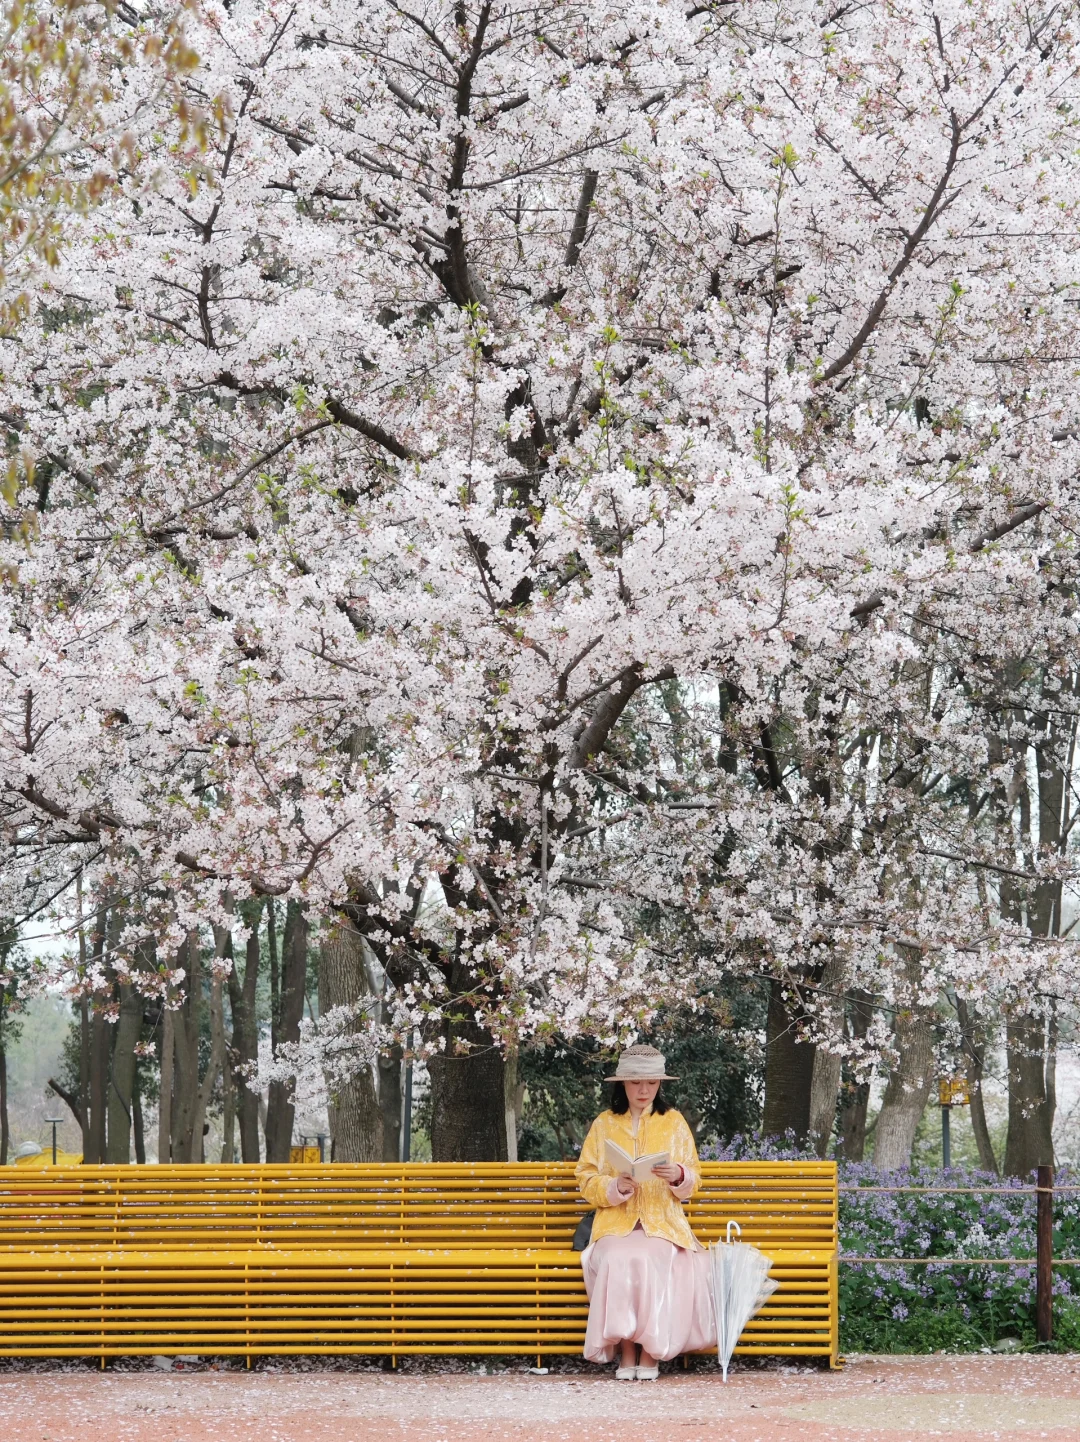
{"points": [[873, 1399]]}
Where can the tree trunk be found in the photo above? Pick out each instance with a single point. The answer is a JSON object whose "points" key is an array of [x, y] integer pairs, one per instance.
{"points": [[279, 1107], [1030, 1140], [122, 1081], [216, 1060], [99, 1059], [1031, 1061], [275, 976], [5, 1124], [824, 1095], [856, 1095], [137, 1121], [825, 1077], [356, 1122], [510, 1099], [82, 1109], [789, 1070], [168, 1047], [974, 1062], [468, 1088], [213, 1066], [390, 1102], [186, 1146], [228, 1117], [84, 1073], [244, 1053], [1051, 1064], [99, 1082], [907, 1091]]}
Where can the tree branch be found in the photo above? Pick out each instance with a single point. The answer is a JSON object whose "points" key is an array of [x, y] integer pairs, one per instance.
{"points": [[1010, 523], [72, 1101], [592, 738], [371, 429], [934, 207]]}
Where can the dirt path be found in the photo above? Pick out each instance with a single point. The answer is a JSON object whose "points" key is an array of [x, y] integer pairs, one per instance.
{"points": [[873, 1399]]}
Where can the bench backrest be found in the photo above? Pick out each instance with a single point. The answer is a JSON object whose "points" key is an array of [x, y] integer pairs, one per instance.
{"points": [[443, 1204]]}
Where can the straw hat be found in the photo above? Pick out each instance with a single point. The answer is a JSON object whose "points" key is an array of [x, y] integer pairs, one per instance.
{"points": [[641, 1063]]}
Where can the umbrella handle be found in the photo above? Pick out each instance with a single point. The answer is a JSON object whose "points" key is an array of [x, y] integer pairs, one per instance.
{"points": [[738, 1230]]}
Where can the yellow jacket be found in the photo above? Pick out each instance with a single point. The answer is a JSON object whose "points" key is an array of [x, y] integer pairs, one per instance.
{"points": [[656, 1204]]}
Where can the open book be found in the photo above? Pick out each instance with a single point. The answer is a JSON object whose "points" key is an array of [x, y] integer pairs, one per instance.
{"points": [[624, 1165]]}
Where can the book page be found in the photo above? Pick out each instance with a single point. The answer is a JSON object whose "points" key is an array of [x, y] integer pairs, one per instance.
{"points": [[621, 1163], [624, 1165], [642, 1168]]}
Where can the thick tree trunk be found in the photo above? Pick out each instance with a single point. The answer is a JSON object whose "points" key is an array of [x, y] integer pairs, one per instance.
{"points": [[244, 1053], [122, 1081], [468, 1107], [855, 1100], [168, 1049], [789, 1070], [356, 1122], [279, 1107], [390, 1103], [1030, 1138], [907, 1091], [468, 1088], [974, 1063], [824, 1095]]}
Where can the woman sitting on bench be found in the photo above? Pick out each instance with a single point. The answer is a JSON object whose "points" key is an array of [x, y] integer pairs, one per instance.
{"points": [[646, 1274]]}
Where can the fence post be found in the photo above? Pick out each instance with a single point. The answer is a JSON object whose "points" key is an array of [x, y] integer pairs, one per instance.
{"points": [[1044, 1254]]}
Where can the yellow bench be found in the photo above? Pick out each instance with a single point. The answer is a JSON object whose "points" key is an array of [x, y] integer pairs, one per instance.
{"points": [[436, 1258]]}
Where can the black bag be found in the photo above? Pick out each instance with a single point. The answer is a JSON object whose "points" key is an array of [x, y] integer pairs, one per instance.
{"points": [[583, 1232]]}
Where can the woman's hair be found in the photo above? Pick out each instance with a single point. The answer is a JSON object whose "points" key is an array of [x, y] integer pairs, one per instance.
{"points": [[620, 1102]]}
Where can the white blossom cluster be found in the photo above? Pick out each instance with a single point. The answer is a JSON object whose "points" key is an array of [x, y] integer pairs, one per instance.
{"points": [[613, 467]]}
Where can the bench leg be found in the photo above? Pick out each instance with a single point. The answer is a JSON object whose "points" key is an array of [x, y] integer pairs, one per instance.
{"points": [[835, 1359]]}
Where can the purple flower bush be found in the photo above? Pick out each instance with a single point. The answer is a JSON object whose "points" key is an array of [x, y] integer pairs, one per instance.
{"points": [[943, 1305]]}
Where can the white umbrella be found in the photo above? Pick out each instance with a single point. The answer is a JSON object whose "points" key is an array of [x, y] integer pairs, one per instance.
{"points": [[740, 1285]]}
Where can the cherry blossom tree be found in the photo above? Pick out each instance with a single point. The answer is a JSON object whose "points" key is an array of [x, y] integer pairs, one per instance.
{"points": [[552, 500], [79, 81]]}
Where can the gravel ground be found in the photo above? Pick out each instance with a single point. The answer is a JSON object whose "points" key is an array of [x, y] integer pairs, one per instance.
{"points": [[874, 1399]]}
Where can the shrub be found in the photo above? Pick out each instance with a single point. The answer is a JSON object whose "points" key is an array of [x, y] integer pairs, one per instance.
{"points": [[933, 1307]]}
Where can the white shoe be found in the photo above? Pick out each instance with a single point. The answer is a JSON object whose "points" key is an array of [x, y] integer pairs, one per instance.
{"points": [[626, 1374], [647, 1374]]}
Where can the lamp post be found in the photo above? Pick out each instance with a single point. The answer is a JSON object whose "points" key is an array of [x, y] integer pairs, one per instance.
{"points": [[952, 1092], [54, 1122]]}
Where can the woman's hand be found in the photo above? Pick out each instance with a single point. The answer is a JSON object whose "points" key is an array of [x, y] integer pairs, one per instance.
{"points": [[672, 1173], [623, 1187]]}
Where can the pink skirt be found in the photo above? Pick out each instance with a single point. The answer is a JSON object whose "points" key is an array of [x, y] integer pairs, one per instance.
{"points": [[646, 1289]]}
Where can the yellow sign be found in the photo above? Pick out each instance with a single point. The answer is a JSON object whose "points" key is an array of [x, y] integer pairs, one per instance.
{"points": [[43, 1158], [303, 1154], [953, 1092]]}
